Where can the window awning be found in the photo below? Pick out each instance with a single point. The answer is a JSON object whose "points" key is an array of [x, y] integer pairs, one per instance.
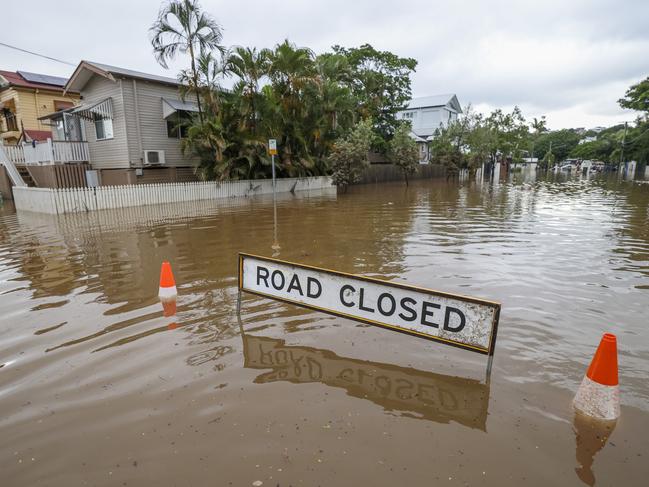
{"points": [[169, 107], [416, 137], [56, 115], [100, 110]]}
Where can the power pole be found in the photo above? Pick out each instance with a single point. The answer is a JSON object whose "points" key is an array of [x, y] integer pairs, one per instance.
{"points": [[623, 142]]}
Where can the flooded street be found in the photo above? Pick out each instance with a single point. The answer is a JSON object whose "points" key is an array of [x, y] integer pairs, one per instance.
{"points": [[97, 387]]}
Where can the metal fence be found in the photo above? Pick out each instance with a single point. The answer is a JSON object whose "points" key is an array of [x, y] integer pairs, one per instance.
{"points": [[72, 200]]}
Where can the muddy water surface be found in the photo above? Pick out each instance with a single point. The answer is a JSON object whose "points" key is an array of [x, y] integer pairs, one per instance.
{"points": [[97, 387]]}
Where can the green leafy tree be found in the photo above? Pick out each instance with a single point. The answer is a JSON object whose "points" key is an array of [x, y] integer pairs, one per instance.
{"points": [[560, 142], [548, 159], [380, 82], [183, 27], [636, 142], [291, 72], [637, 98], [249, 66], [539, 125], [349, 154], [508, 134], [403, 151]]}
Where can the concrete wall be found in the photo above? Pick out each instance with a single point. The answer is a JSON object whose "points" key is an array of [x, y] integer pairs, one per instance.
{"points": [[59, 201], [40, 200], [5, 184]]}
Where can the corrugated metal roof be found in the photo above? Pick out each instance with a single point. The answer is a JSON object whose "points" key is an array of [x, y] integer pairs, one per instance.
{"points": [[435, 101], [170, 106], [130, 73]]}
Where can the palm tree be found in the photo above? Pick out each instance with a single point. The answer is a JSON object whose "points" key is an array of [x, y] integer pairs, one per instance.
{"points": [[183, 27], [250, 66], [292, 72], [209, 71]]}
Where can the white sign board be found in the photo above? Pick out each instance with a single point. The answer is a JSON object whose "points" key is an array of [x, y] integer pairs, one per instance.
{"points": [[272, 146], [461, 321]]}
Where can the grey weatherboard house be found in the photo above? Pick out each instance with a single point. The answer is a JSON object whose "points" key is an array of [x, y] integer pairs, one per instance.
{"points": [[426, 115], [130, 120]]}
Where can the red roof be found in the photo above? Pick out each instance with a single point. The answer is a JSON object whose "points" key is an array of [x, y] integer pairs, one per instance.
{"points": [[38, 134], [15, 79]]}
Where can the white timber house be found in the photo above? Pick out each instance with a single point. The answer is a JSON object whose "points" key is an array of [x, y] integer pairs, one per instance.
{"points": [[427, 115], [132, 123]]}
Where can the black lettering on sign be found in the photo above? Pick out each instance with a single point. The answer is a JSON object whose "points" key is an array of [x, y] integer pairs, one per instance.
{"points": [[425, 313], [346, 287], [312, 282], [391, 307], [266, 357], [360, 305], [281, 279], [447, 319], [412, 313], [401, 390], [262, 275], [295, 284]]}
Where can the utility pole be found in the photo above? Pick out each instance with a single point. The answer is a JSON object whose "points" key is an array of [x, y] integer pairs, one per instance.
{"points": [[623, 142]]}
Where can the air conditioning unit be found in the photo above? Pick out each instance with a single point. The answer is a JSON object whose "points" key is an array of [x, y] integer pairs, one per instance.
{"points": [[154, 157]]}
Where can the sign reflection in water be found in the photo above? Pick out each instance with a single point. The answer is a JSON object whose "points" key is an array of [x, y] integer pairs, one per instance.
{"points": [[415, 393]]}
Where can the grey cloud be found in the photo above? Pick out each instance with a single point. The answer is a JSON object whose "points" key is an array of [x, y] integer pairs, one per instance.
{"points": [[553, 57]]}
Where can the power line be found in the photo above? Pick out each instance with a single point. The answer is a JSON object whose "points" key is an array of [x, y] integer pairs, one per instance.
{"points": [[36, 54]]}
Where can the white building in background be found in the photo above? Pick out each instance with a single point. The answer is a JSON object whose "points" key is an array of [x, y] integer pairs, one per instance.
{"points": [[428, 114]]}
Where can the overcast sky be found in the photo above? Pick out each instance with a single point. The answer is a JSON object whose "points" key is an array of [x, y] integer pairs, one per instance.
{"points": [[568, 60]]}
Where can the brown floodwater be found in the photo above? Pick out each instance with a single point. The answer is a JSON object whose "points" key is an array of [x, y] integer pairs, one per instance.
{"points": [[98, 387]]}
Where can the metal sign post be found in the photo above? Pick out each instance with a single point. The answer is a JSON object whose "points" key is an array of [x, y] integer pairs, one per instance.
{"points": [[272, 149]]}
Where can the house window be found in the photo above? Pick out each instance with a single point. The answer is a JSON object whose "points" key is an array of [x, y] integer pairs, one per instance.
{"points": [[178, 125], [408, 115], [103, 128], [62, 105], [10, 120]]}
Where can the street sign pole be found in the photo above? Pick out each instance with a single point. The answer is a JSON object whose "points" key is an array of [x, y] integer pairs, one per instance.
{"points": [[272, 158], [272, 150]]}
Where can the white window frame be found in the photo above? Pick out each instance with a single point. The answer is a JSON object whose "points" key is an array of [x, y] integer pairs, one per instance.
{"points": [[106, 122]]}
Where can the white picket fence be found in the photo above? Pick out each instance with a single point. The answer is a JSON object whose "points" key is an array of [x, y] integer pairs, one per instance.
{"points": [[72, 200]]}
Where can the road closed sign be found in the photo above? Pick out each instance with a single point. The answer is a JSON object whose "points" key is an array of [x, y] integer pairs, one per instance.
{"points": [[462, 321]]}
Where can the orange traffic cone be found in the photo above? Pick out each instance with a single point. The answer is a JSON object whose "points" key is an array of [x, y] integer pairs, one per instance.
{"points": [[168, 307], [599, 393], [167, 283]]}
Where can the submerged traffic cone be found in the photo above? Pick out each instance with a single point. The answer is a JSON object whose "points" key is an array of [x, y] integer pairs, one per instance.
{"points": [[167, 290], [168, 307], [599, 393]]}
